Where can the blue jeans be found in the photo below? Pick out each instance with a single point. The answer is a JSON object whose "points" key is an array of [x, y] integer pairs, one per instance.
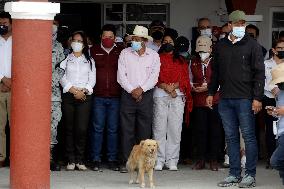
{"points": [[105, 113], [277, 158], [237, 113]]}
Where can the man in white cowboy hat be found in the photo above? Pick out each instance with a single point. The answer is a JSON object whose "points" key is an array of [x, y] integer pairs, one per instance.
{"points": [[138, 71], [277, 158]]}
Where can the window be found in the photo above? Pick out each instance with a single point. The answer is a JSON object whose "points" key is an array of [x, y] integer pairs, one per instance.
{"points": [[125, 16], [277, 22]]}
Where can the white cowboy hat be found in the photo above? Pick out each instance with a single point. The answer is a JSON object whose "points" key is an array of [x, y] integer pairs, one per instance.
{"points": [[141, 31], [277, 74]]}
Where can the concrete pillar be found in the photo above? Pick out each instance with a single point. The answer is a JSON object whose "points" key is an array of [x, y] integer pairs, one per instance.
{"points": [[31, 93]]}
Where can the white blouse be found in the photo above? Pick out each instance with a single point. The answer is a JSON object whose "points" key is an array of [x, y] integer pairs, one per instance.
{"points": [[269, 65], [78, 73]]}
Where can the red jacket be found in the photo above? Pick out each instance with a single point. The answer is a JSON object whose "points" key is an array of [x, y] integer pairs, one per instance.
{"points": [[199, 99], [172, 71], [106, 71]]}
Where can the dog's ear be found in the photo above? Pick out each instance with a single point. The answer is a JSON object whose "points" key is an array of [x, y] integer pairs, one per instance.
{"points": [[142, 142]]}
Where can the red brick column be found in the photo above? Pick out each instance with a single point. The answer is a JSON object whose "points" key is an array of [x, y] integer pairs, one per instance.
{"points": [[31, 94]]}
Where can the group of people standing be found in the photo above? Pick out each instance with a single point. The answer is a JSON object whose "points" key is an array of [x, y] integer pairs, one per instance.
{"points": [[149, 86]]}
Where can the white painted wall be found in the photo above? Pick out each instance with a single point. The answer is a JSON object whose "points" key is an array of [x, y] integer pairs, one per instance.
{"points": [[185, 13], [263, 7]]}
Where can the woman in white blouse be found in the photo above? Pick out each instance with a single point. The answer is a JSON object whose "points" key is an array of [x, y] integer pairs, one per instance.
{"points": [[270, 92], [77, 82]]}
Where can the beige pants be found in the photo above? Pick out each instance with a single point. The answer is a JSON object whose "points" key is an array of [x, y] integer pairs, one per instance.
{"points": [[5, 102]]}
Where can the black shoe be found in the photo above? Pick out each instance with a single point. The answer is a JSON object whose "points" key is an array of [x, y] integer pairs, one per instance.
{"points": [[97, 166], [123, 169], [113, 165], [55, 166]]}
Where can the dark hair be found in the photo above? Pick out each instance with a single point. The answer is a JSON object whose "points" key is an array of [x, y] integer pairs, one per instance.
{"points": [[182, 44], [171, 32], [109, 27], [85, 50], [6, 15], [276, 42], [281, 34], [225, 25], [251, 26], [57, 18], [157, 23]]}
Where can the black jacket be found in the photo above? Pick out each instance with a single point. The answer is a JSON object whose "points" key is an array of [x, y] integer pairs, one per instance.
{"points": [[238, 69]]}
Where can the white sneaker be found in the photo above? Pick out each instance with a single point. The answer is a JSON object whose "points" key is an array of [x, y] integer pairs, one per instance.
{"points": [[243, 161], [173, 168], [70, 167], [81, 167], [226, 161], [158, 167]]}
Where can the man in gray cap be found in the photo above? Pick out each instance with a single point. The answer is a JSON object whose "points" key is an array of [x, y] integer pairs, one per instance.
{"points": [[239, 71]]}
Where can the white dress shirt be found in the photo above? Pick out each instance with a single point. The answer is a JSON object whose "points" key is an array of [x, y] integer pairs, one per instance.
{"points": [[138, 71], [269, 65], [78, 73], [5, 57]]}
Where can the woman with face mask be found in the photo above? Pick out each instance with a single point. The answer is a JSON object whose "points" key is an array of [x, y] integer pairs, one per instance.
{"points": [[278, 112], [206, 120], [270, 92], [78, 82], [171, 95]]}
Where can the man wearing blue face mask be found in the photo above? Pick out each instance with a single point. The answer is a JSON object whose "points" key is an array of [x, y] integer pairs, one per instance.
{"points": [[239, 71], [138, 72]]}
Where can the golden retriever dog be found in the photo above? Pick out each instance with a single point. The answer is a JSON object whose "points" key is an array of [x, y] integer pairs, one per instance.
{"points": [[142, 159]]}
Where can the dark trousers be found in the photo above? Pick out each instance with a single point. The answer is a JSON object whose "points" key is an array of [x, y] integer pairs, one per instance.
{"points": [[76, 120], [235, 114], [208, 132], [135, 121], [277, 159], [105, 114], [269, 136]]}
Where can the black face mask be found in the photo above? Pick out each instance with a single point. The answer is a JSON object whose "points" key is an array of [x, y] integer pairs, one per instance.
{"points": [[157, 35], [3, 29], [280, 54], [167, 47], [280, 86]]}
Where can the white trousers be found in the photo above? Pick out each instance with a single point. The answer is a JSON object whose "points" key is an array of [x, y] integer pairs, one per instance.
{"points": [[167, 126]]}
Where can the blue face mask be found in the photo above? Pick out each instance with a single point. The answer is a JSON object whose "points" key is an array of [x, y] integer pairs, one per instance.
{"points": [[239, 32], [136, 45]]}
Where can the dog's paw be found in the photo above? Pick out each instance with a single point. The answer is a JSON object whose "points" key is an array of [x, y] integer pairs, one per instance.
{"points": [[142, 185], [152, 185], [131, 181], [137, 181]]}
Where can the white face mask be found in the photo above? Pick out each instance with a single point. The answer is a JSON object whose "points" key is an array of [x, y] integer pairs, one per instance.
{"points": [[207, 32], [204, 56], [76, 46]]}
